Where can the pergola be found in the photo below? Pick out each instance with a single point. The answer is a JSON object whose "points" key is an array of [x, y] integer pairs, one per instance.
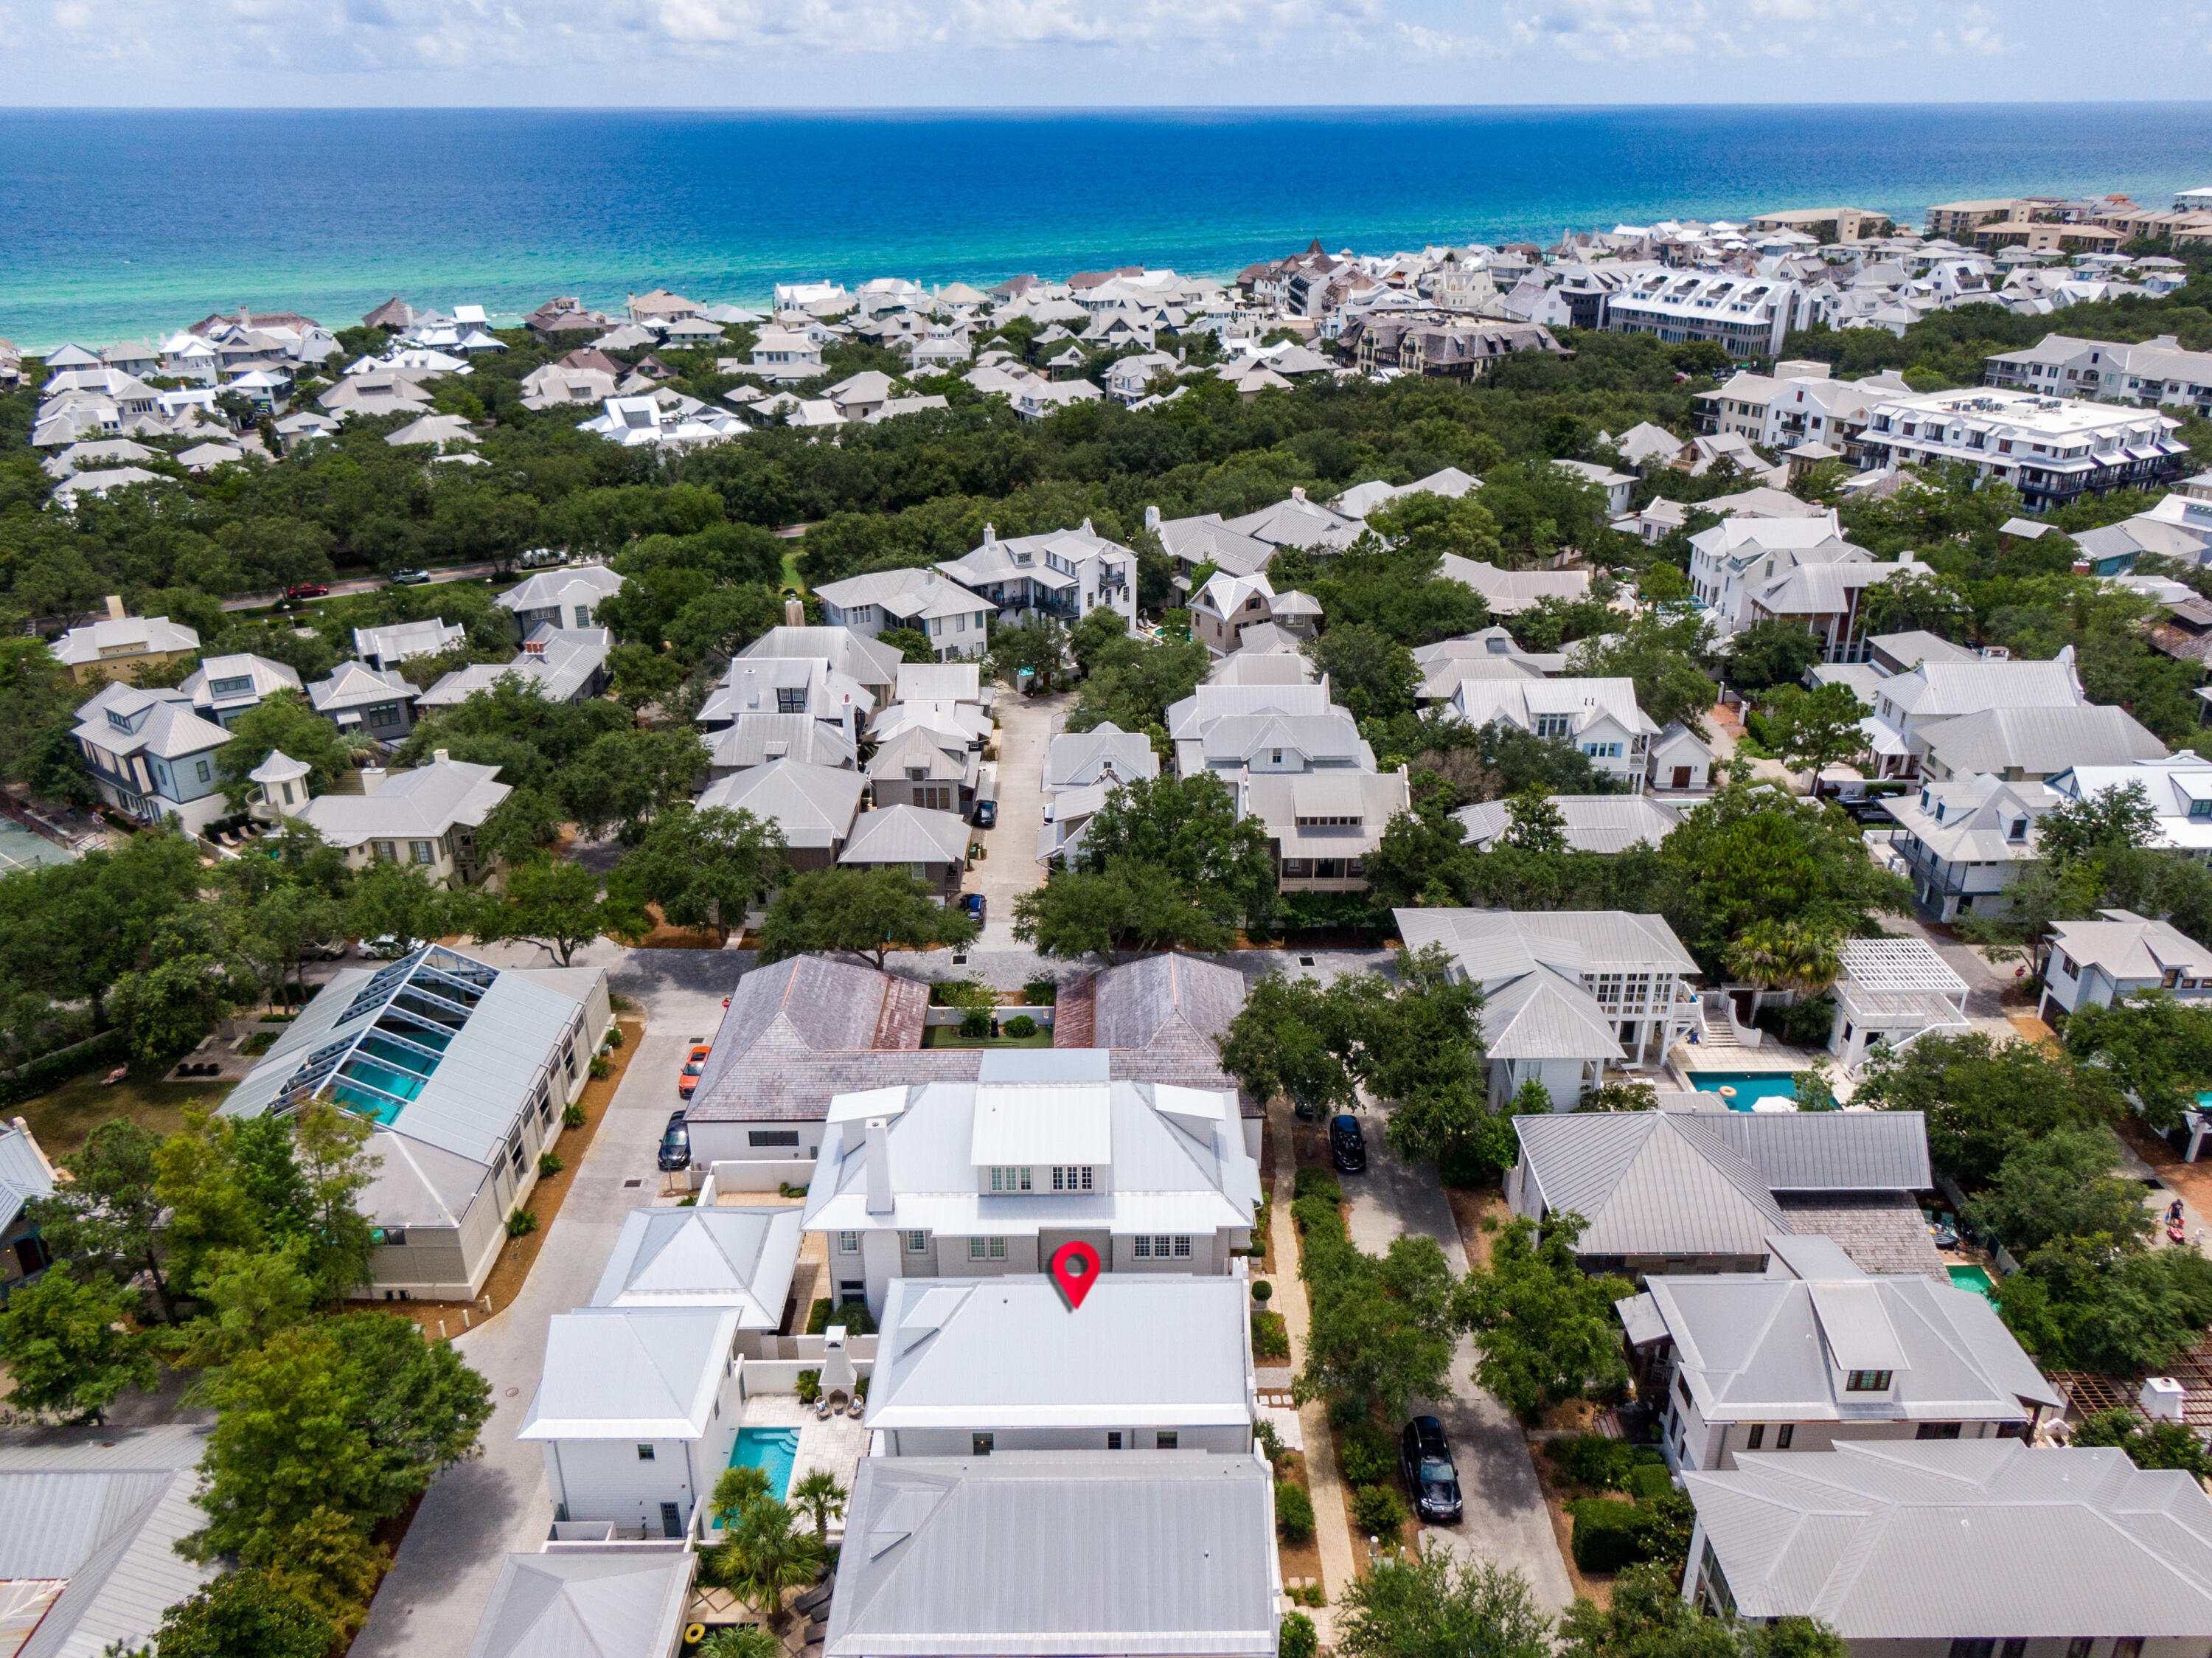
{"points": [[1892, 989]]}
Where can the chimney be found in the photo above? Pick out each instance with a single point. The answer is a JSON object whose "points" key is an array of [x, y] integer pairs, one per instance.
{"points": [[1087, 530], [990, 535], [1152, 518], [372, 779], [794, 612], [879, 1166], [441, 756], [115, 611], [1298, 491], [753, 688]]}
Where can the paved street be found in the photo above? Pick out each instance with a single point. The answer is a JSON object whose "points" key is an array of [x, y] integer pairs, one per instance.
{"points": [[478, 1512], [364, 584], [1506, 1521], [1025, 732]]}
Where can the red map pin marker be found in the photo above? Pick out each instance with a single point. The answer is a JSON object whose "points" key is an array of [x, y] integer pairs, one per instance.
{"points": [[1075, 1269]]}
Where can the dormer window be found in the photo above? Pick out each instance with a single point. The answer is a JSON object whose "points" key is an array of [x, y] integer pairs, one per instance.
{"points": [[2200, 808], [1868, 1381], [1071, 1177], [2018, 830], [1006, 1178]]}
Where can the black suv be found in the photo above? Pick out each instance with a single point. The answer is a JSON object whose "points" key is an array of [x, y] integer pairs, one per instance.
{"points": [[1348, 1145], [1425, 1458], [675, 1144]]}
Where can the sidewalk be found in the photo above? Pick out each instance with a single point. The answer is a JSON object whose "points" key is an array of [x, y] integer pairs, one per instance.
{"points": [[1331, 1532]]}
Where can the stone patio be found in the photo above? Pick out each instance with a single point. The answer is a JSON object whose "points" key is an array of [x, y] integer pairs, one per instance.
{"points": [[835, 1443]]}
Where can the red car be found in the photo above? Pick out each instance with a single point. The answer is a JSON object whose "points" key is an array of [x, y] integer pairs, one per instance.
{"points": [[309, 590], [692, 1067]]}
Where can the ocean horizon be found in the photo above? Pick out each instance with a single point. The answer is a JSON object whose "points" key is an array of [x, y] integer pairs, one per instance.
{"points": [[118, 224]]}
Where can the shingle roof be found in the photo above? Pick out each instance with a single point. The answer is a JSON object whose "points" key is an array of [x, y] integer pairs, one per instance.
{"points": [[1981, 1538], [1147, 1553]]}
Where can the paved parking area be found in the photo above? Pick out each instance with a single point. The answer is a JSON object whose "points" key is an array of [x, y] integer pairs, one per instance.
{"points": [[1506, 1521]]}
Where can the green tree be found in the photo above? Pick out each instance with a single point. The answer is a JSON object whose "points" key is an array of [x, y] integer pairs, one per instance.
{"points": [[245, 1614], [2148, 1444], [1421, 1048], [1774, 652], [249, 1295], [739, 1640], [1649, 1619], [1371, 673], [335, 1168], [356, 1413], [1546, 1329], [1533, 823], [2157, 1047], [626, 779], [765, 1554], [1098, 633], [1430, 1604], [822, 1499], [398, 901], [549, 902], [328, 1561], [1189, 828], [68, 1350], [2090, 1304], [1777, 953], [170, 1004], [285, 720], [108, 1217], [1381, 1328], [1130, 906], [1292, 1038], [1040, 646], [736, 1488], [912, 645], [641, 675], [1983, 1098], [1134, 682], [1662, 657], [2092, 826], [699, 868], [867, 912], [2065, 1184], [1811, 730]]}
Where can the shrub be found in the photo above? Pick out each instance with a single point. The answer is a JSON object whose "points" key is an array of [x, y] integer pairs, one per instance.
{"points": [[817, 1316], [1020, 1025], [602, 1067], [1294, 1515], [1297, 1638], [521, 1223], [1594, 1460], [1379, 1512], [962, 993], [809, 1386], [549, 1163], [854, 1315], [1317, 1183], [976, 1024], [1042, 992], [571, 1117], [1608, 1535], [1802, 1024], [1309, 1214], [1368, 1457], [1346, 1414], [1263, 1292], [1647, 1481], [1271, 1443], [1271, 1337], [614, 1036]]}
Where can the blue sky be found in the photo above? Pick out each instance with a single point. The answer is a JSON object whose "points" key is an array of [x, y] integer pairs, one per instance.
{"points": [[1064, 53]]}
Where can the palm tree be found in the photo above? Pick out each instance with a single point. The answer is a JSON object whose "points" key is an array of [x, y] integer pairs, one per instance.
{"points": [[1769, 954], [739, 1487], [821, 1495], [765, 1556], [740, 1641]]}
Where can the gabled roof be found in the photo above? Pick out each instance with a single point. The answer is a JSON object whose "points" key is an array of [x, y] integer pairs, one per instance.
{"points": [[1152, 1554], [1885, 1540], [2039, 740], [755, 739], [813, 804], [351, 684], [162, 723], [1077, 759], [1150, 1350], [265, 677], [722, 1257], [25, 1174], [1508, 591], [1594, 823], [870, 661], [628, 1373], [2126, 945], [1666, 1183], [578, 1603], [578, 584]]}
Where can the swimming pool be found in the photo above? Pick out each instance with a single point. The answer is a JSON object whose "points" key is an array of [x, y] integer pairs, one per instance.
{"points": [[1976, 1279], [1750, 1086], [772, 1450]]}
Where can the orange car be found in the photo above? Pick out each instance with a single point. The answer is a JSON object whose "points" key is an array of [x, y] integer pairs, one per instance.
{"points": [[692, 1067]]}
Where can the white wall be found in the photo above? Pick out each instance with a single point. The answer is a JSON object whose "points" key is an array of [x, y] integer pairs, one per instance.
{"points": [[960, 1442]]}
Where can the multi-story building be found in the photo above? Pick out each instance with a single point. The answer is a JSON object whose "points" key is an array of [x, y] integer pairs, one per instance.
{"points": [[427, 818], [1599, 716], [121, 643], [151, 754], [2119, 955], [2052, 449], [1062, 574], [1748, 316], [2153, 373], [955, 620], [1963, 839]]}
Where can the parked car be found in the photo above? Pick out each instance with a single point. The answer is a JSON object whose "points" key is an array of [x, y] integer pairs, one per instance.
{"points": [[308, 590], [541, 558], [1347, 1144], [1869, 814], [976, 906], [1425, 1457], [323, 949], [692, 1067], [409, 578], [986, 814], [385, 946], [675, 1144]]}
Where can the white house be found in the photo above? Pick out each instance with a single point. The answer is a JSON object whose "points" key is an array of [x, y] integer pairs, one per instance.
{"points": [[1592, 823], [1617, 486], [2052, 449], [2178, 788], [1598, 716], [989, 1177], [983, 1366], [637, 1410], [2118, 955], [1510, 592], [427, 817], [1963, 839], [725, 1258], [1568, 994], [1974, 1546], [1064, 574], [1322, 822], [618, 1598], [397, 642], [225, 687], [1816, 1350]]}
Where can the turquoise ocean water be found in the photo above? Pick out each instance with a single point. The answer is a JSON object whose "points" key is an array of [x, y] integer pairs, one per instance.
{"points": [[114, 223]]}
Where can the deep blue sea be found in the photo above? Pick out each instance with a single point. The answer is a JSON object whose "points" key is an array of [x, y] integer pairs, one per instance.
{"points": [[117, 224]]}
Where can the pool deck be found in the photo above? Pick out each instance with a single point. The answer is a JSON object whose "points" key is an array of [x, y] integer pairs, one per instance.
{"points": [[835, 1442]]}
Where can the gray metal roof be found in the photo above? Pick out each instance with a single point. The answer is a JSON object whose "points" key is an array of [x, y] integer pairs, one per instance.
{"points": [[1144, 1350], [1058, 1554], [720, 1256], [626, 1602], [97, 1512], [631, 1373], [814, 804], [1891, 1541], [1670, 1183], [2039, 741], [905, 834], [1594, 823], [24, 1174]]}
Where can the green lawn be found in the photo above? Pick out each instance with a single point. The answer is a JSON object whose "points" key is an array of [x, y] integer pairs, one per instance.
{"points": [[64, 1119], [791, 576], [948, 1036]]}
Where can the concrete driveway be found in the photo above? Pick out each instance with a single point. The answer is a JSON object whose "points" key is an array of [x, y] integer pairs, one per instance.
{"points": [[1026, 725], [479, 1512], [1505, 1518]]}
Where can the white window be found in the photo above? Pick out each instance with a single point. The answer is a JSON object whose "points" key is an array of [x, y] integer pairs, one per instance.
{"points": [[848, 1243], [1141, 1247], [421, 851], [1182, 1248], [1075, 1177], [917, 1243], [206, 776], [986, 1249], [384, 851], [1011, 1179]]}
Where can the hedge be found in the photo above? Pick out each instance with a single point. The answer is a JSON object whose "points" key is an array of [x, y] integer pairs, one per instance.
{"points": [[1316, 1183], [1609, 1535], [1648, 1481], [854, 1315], [1294, 1514], [50, 1070], [1369, 1458]]}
